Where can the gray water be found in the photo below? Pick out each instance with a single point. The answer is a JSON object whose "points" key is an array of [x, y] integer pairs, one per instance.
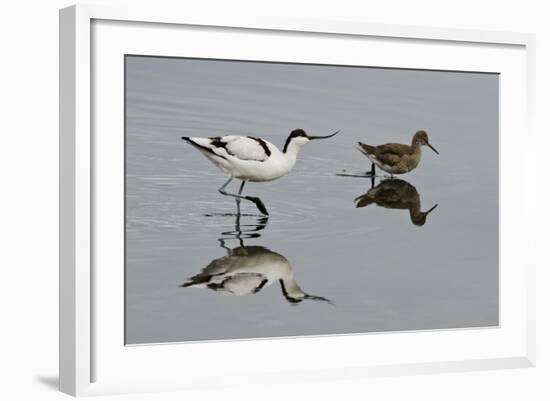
{"points": [[380, 271]]}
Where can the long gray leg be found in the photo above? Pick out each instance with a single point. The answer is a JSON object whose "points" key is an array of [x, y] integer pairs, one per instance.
{"points": [[259, 204], [241, 187], [222, 188], [238, 200]]}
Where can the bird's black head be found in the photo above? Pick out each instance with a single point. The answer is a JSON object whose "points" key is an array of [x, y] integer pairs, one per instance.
{"points": [[299, 297], [301, 137], [297, 132]]}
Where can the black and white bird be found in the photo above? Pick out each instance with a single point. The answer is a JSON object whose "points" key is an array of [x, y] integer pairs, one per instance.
{"points": [[248, 158]]}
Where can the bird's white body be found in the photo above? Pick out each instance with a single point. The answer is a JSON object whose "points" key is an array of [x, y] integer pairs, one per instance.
{"points": [[248, 158]]}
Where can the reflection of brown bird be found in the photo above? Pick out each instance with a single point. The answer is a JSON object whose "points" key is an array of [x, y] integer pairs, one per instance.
{"points": [[396, 158], [396, 194]]}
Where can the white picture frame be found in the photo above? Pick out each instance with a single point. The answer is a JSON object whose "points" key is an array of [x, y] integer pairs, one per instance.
{"points": [[82, 345]]}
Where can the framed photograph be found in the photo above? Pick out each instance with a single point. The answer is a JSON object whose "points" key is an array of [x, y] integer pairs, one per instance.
{"points": [[290, 200]]}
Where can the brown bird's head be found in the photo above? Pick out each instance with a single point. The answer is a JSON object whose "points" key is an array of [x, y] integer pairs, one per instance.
{"points": [[419, 219], [421, 138]]}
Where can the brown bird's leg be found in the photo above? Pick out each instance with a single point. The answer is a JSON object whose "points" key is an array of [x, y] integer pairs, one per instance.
{"points": [[371, 173]]}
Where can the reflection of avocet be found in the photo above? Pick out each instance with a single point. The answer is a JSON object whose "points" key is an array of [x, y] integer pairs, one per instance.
{"points": [[396, 194], [252, 159], [248, 269]]}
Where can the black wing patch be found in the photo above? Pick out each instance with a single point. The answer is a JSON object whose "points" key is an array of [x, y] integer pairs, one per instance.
{"points": [[218, 143], [263, 145], [202, 147], [259, 287]]}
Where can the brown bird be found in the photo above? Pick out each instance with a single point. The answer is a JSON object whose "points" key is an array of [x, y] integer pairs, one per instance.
{"points": [[396, 158], [396, 194]]}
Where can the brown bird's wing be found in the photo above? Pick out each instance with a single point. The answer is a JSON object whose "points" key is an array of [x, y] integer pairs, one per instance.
{"points": [[391, 153], [366, 149], [383, 196]]}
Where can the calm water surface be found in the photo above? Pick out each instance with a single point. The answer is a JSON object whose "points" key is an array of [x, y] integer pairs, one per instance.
{"points": [[379, 268]]}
